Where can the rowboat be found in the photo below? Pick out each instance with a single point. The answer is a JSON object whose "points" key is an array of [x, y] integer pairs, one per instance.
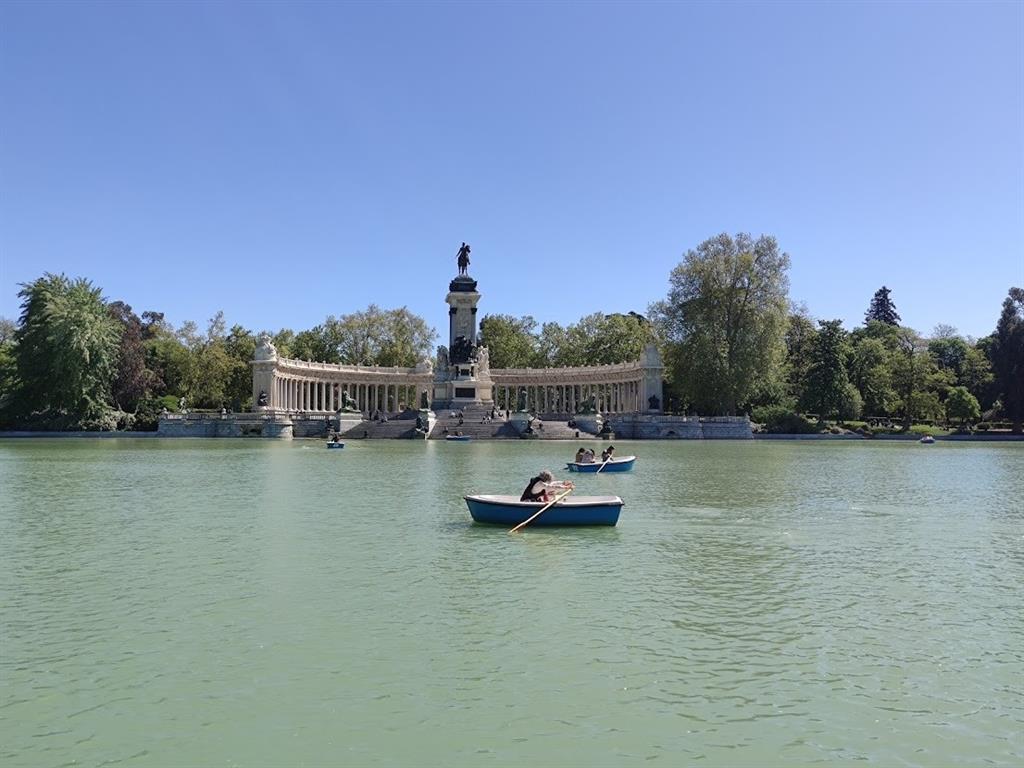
{"points": [[574, 510], [458, 438], [335, 445], [620, 464], [927, 440]]}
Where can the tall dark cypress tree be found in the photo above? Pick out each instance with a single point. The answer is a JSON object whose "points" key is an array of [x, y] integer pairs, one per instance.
{"points": [[882, 309], [1007, 355]]}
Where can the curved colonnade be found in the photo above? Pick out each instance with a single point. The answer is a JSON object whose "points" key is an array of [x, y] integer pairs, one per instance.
{"points": [[615, 388], [300, 386]]}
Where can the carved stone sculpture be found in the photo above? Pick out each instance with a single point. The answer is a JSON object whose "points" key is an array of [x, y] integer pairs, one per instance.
{"points": [[588, 406], [462, 350], [348, 405], [261, 401], [265, 349]]}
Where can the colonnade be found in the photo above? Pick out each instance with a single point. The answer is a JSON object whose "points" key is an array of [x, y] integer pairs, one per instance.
{"points": [[609, 397], [321, 396]]}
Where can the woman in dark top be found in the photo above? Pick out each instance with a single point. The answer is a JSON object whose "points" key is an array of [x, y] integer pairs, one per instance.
{"points": [[544, 487]]}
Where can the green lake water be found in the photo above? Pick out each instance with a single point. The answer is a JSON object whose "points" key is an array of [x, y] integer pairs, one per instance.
{"points": [[251, 603]]}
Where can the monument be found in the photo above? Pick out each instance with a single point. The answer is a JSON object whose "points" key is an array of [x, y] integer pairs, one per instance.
{"points": [[462, 376]]}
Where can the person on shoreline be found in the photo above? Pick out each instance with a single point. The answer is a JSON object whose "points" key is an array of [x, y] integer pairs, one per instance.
{"points": [[544, 487]]}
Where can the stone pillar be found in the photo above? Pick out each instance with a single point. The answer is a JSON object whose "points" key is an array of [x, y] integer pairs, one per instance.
{"points": [[652, 373]]}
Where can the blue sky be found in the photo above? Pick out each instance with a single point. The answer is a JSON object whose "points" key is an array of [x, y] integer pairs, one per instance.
{"points": [[286, 161]]}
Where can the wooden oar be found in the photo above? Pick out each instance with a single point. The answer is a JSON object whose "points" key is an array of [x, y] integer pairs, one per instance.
{"points": [[537, 514], [602, 466]]}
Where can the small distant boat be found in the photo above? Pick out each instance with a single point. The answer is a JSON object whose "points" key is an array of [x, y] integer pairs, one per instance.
{"points": [[927, 440], [335, 445], [620, 464], [574, 510], [458, 438]]}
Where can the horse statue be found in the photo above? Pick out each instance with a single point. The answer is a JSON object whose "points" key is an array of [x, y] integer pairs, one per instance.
{"points": [[463, 259]]}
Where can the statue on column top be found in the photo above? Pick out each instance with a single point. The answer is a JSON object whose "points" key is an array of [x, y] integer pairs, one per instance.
{"points": [[463, 259]]}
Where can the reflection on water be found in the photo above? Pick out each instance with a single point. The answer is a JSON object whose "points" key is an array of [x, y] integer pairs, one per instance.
{"points": [[251, 603]]}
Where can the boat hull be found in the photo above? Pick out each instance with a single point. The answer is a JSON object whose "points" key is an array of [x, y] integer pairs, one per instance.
{"points": [[458, 438], [336, 445], [625, 464], [578, 510]]}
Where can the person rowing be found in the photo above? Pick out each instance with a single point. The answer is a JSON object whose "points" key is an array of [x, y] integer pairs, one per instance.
{"points": [[544, 487], [606, 454]]}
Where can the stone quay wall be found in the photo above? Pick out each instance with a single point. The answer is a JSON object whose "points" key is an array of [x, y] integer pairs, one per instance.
{"points": [[231, 425], [640, 426]]}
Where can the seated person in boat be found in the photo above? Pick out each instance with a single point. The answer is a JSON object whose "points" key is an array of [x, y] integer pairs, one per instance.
{"points": [[588, 456], [544, 487], [580, 454], [606, 454]]}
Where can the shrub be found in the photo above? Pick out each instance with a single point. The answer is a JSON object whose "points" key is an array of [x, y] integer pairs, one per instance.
{"points": [[147, 417], [982, 426], [780, 420]]}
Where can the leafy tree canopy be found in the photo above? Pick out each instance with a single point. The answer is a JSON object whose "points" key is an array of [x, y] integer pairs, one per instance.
{"points": [[724, 320], [66, 351]]}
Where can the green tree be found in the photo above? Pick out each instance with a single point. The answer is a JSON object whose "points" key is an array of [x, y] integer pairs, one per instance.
{"points": [[600, 339], [8, 366], [171, 363], [827, 382], [554, 338], [373, 336], [66, 353], [511, 341], [209, 376], [870, 371], [976, 375], [949, 353], [911, 368], [1007, 355], [132, 379], [724, 319], [800, 341], [882, 308], [961, 404], [240, 345]]}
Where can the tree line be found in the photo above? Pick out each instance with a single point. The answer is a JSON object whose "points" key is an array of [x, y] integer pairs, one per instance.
{"points": [[732, 342], [75, 361], [735, 343]]}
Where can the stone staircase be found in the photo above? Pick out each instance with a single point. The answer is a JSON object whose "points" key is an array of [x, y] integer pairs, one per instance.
{"points": [[473, 424], [398, 427]]}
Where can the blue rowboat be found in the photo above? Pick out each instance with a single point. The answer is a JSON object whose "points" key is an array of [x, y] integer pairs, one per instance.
{"points": [[621, 464], [335, 445], [458, 438], [574, 510]]}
